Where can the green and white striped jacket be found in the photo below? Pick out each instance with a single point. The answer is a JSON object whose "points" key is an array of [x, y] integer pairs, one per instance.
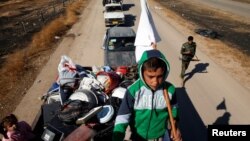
{"points": [[143, 109]]}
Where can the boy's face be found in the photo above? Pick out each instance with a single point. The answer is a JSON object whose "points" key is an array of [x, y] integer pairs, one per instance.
{"points": [[10, 127], [153, 78]]}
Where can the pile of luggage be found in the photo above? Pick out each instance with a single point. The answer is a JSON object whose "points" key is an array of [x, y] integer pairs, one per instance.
{"points": [[84, 95]]}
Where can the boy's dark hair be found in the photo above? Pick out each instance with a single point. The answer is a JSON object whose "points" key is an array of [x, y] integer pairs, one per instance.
{"points": [[190, 38], [9, 120], [153, 64]]}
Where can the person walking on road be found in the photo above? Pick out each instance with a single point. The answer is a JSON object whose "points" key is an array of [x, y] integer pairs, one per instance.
{"points": [[188, 50], [144, 107]]}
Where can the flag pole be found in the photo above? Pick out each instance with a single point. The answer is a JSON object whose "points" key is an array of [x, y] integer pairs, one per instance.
{"points": [[170, 112]]}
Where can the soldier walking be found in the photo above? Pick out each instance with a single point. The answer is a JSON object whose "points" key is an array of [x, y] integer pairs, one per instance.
{"points": [[188, 50]]}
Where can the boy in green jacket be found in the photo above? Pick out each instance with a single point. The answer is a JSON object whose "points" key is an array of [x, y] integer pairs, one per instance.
{"points": [[143, 107]]}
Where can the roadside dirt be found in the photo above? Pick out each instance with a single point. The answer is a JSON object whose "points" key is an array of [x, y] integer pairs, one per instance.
{"points": [[226, 51]]}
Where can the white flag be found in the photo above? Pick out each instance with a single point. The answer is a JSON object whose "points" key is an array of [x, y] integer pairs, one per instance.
{"points": [[146, 32]]}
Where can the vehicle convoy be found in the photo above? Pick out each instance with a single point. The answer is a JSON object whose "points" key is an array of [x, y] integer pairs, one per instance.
{"points": [[119, 49], [89, 95], [113, 14]]}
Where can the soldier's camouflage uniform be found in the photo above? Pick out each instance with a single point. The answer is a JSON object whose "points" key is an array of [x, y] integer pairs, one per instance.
{"points": [[186, 58]]}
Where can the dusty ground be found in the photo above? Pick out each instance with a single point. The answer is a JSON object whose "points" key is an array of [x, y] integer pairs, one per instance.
{"points": [[231, 49], [226, 55]]}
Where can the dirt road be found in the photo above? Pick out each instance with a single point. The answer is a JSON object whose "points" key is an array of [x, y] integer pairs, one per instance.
{"points": [[206, 87]]}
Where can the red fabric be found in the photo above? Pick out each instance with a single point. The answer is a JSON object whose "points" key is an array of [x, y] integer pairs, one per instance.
{"points": [[122, 69]]}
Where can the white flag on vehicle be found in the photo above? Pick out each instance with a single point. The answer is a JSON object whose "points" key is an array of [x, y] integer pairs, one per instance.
{"points": [[146, 36]]}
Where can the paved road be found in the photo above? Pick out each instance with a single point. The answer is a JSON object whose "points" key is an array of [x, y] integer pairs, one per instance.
{"points": [[198, 101], [238, 8]]}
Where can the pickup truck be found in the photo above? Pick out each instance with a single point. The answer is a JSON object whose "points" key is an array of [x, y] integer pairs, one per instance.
{"points": [[113, 14], [118, 45], [91, 103]]}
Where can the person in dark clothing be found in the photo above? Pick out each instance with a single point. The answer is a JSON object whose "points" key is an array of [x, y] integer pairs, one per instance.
{"points": [[188, 50], [15, 130]]}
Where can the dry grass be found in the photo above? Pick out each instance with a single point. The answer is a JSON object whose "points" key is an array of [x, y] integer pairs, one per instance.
{"points": [[44, 38], [11, 72], [22, 63]]}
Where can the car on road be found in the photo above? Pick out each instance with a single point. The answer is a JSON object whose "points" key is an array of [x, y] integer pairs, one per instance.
{"points": [[119, 46], [113, 14], [104, 2]]}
